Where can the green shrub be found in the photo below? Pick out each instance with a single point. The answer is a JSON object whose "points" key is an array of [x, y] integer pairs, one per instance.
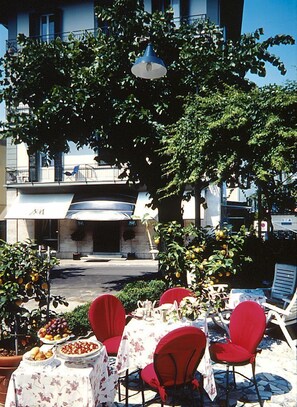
{"points": [[139, 291], [78, 320]]}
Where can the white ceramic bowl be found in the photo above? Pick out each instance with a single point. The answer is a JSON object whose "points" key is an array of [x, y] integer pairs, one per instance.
{"points": [[27, 358], [73, 357], [48, 342]]}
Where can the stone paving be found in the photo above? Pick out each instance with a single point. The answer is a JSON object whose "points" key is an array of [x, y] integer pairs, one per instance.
{"points": [[276, 375]]}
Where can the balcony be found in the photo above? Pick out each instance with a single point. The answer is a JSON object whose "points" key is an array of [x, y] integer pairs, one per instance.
{"points": [[12, 45], [86, 174]]}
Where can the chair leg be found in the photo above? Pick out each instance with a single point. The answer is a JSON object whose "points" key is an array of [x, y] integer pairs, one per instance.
{"points": [[126, 384], [201, 389], [126, 387], [227, 386], [234, 381], [255, 383], [142, 391]]}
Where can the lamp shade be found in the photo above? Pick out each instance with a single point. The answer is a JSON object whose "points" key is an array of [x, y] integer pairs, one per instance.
{"points": [[149, 66]]}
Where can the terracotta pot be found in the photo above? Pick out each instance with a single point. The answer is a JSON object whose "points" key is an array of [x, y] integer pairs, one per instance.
{"points": [[8, 364], [76, 256]]}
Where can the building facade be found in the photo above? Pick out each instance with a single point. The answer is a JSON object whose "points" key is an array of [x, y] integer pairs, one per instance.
{"points": [[73, 203]]}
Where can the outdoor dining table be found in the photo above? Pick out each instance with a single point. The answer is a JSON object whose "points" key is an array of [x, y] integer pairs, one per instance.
{"points": [[140, 338], [238, 295], [63, 383]]}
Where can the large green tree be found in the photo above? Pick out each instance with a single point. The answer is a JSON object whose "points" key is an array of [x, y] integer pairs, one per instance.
{"points": [[239, 137], [82, 89]]}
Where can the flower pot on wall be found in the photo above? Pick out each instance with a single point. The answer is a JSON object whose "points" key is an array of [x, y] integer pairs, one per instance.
{"points": [[76, 256], [131, 256], [8, 364]]}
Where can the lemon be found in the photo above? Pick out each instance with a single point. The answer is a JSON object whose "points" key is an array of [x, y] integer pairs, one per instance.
{"points": [[35, 277], [28, 286], [44, 286]]}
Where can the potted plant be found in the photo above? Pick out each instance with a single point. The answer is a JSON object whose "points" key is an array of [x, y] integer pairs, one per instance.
{"points": [[24, 277], [77, 236], [129, 234]]}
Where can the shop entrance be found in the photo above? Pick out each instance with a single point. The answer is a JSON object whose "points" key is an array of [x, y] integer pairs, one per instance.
{"points": [[106, 237]]}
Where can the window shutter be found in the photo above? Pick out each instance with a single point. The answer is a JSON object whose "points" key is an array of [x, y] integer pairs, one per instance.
{"points": [[184, 8], [34, 25], [160, 5], [58, 22], [58, 167], [33, 167]]}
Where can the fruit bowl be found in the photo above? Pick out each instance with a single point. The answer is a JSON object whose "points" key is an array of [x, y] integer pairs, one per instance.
{"points": [[55, 331], [54, 341], [29, 358]]}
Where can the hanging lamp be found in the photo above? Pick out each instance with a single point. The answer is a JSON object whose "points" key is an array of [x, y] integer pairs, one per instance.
{"points": [[149, 66]]}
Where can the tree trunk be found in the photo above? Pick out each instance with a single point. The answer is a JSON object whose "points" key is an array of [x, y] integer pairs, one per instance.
{"points": [[259, 198], [197, 195], [170, 209]]}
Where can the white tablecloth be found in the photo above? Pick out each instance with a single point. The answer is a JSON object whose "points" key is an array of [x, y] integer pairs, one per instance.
{"points": [[139, 342], [63, 384], [238, 295]]}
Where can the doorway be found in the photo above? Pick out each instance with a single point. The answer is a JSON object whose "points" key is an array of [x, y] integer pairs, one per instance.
{"points": [[46, 232], [106, 237]]}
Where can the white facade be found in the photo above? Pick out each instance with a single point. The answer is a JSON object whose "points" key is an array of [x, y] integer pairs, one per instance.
{"points": [[76, 16]]}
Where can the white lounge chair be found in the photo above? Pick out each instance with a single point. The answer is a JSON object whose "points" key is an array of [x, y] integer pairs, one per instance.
{"points": [[284, 283], [284, 317]]}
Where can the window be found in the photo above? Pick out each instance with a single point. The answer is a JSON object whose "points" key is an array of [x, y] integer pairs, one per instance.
{"points": [[45, 25]]}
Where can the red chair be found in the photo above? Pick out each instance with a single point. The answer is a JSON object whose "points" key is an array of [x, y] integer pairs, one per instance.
{"points": [[107, 318], [247, 327], [176, 359], [174, 294]]}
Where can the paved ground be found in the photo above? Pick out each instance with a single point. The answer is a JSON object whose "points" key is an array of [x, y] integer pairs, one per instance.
{"points": [[276, 375], [81, 281], [276, 368]]}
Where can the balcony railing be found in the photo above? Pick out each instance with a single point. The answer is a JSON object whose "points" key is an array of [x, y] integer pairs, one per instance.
{"points": [[12, 45], [86, 174]]}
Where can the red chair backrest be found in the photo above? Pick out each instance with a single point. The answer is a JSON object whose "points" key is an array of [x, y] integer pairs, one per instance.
{"points": [[247, 325], [178, 355], [175, 294], [107, 317]]}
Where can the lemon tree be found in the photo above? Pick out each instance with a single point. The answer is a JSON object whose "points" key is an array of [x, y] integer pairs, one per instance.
{"points": [[23, 277], [211, 255]]}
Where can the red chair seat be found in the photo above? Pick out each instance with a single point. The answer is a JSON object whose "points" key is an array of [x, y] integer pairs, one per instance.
{"points": [[112, 345], [230, 353], [149, 375]]}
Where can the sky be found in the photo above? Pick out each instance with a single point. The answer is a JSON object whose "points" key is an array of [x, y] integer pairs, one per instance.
{"points": [[274, 16]]}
